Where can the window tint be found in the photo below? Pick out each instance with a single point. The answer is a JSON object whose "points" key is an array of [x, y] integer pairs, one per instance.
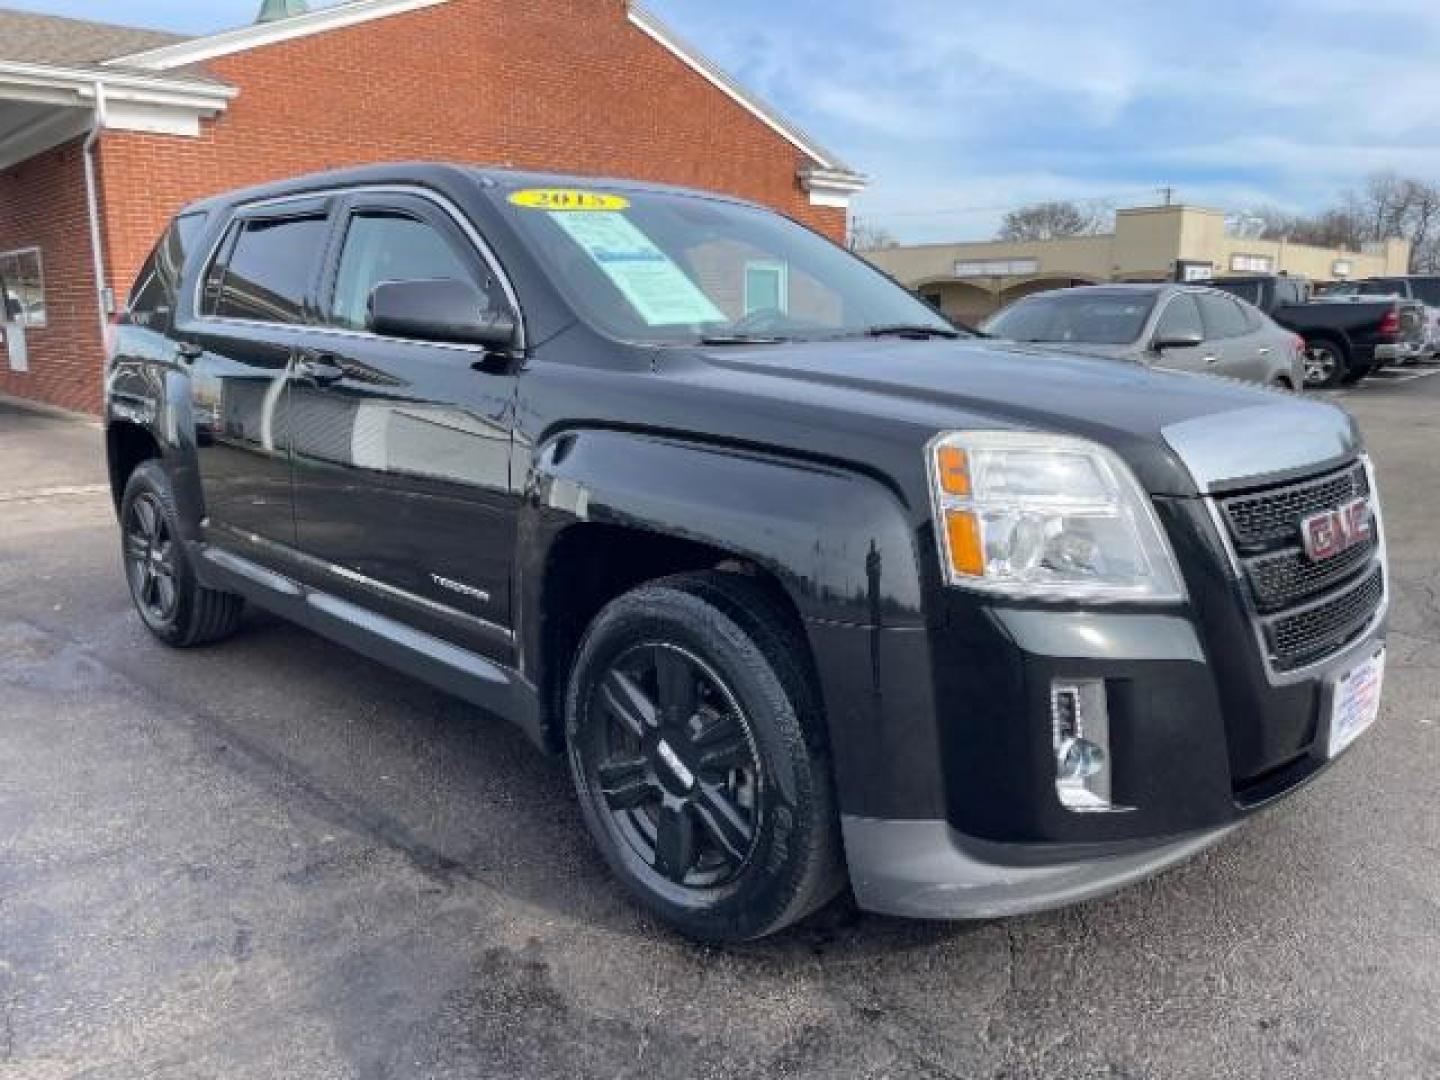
{"points": [[1222, 316], [270, 269], [153, 299], [1426, 289], [384, 246], [1379, 288], [1180, 318]]}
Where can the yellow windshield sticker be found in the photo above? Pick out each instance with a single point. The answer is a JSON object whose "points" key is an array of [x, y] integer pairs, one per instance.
{"points": [[568, 199]]}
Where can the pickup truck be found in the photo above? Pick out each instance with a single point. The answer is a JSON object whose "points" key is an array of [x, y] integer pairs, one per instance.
{"points": [[1345, 338], [1424, 288], [805, 586]]}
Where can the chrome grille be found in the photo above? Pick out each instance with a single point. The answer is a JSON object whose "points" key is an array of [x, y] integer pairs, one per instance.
{"points": [[1262, 519], [1306, 609], [1315, 632], [1279, 580]]}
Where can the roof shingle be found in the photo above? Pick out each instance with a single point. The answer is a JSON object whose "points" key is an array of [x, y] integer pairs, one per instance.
{"points": [[30, 38]]}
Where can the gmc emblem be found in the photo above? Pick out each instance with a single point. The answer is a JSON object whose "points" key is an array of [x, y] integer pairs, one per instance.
{"points": [[1329, 533]]}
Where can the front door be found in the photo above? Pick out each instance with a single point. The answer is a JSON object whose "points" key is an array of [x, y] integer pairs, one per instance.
{"points": [[402, 448], [1181, 317], [255, 300]]}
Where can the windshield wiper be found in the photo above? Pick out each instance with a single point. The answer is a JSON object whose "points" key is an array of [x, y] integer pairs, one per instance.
{"points": [[742, 339], [910, 330]]}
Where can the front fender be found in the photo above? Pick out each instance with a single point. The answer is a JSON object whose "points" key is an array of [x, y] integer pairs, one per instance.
{"points": [[840, 543]]}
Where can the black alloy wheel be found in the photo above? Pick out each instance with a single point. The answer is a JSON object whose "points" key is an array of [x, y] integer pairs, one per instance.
{"points": [[698, 750], [150, 559], [172, 602], [676, 765]]}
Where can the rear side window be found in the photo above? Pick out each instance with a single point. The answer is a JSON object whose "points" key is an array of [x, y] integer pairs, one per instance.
{"points": [[1426, 289], [1254, 320], [157, 289], [1222, 315], [269, 271], [1180, 318]]}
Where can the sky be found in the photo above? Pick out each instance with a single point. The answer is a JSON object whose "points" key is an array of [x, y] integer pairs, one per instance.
{"points": [[959, 110]]}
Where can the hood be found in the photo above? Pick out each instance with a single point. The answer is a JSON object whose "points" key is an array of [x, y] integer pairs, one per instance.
{"points": [[1229, 431]]}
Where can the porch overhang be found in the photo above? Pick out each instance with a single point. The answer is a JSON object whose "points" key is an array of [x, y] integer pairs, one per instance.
{"points": [[43, 106]]}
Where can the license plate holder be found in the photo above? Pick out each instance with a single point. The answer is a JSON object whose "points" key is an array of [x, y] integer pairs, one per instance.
{"points": [[1355, 702]]}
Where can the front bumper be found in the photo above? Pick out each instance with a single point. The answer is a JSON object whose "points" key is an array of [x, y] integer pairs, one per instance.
{"points": [[926, 870], [942, 743]]}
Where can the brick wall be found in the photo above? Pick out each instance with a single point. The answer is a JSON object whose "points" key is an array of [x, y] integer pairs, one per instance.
{"points": [[42, 203], [569, 85]]}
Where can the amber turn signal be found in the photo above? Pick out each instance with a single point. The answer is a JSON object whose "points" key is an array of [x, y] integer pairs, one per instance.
{"points": [[962, 531], [953, 470]]}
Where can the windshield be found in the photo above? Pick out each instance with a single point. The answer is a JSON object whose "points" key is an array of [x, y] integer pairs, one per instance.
{"points": [[1083, 317], [672, 268]]}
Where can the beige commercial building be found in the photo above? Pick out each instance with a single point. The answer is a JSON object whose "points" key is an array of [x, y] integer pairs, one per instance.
{"points": [[968, 281]]}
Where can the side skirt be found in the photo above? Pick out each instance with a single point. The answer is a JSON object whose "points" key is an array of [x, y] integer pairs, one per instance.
{"points": [[440, 663]]}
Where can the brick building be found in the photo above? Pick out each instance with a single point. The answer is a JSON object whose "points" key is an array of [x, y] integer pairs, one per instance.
{"points": [[105, 131]]}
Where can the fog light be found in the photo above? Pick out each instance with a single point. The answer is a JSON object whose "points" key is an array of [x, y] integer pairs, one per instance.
{"points": [[1080, 722]]}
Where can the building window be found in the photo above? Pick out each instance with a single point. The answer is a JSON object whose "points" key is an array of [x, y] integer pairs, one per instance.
{"points": [[1252, 264], [767, 287], [22, 284], [1341, 268]]}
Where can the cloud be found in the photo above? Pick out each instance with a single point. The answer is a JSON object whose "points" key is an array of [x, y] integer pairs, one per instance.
{"points": [[957, 108]]}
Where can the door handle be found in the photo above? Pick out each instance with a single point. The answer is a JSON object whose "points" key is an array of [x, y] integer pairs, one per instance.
{"points": [[1264, 350], [188, 352], [321, 368], [1210, 358]]}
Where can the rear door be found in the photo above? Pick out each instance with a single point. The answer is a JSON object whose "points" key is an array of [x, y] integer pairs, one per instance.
{"points": [[256, 298], [402, 448]]}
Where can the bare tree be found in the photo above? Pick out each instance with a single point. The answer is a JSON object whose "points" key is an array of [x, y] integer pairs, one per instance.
{"points": [[865, 235], [1054, 220]]}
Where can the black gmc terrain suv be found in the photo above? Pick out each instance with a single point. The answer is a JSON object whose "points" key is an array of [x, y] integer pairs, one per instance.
{"points": [[807, 585]]}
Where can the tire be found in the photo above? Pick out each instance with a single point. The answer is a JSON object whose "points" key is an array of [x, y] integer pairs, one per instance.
{"points": [[697, 750], [1356, 373], [171, 602], [1325, 364]]}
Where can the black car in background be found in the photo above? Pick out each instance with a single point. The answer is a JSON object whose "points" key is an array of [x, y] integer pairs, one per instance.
{"points": [[1346, 338], [807, 587]]}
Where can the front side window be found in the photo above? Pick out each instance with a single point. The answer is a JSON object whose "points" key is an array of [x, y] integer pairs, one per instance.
{"points": [[383, 246], [22, 287], [669, 268], [1081, 317], [271, 266]]}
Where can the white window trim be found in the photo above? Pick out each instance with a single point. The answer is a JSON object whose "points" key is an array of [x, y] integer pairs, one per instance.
{"points": [[783, 272], [25, 320]]}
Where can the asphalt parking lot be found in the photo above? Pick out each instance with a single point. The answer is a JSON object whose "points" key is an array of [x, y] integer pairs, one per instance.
{"points": [[273, 859]]}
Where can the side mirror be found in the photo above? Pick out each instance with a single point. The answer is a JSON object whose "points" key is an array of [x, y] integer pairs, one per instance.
{"points": [[440, 309], [1178, 339]]}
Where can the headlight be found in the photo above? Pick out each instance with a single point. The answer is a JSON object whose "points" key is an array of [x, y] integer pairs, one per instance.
{"points": [[1046, 516]]}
